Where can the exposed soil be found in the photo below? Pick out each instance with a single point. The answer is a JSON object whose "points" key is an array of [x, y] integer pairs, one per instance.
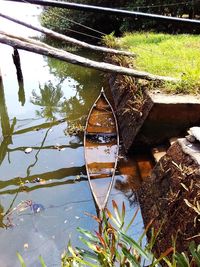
{"points": [[132, 104], [171, 197]]}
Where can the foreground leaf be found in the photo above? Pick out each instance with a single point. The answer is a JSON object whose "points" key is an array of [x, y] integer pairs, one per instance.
{"points": [[87, 234], [88, 254], [130, 257], [195, 253], [134, 245], [21, 260], [182, 260], [42, 261]]}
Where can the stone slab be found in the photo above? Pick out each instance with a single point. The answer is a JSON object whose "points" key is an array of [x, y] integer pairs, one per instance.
{"points": [[191, 149]]}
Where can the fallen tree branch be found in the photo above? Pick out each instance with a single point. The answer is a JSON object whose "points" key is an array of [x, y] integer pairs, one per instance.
{"points": [[68, 39], [46, 50]]}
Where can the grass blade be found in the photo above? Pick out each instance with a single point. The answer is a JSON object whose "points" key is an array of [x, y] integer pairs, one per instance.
{"points": [[195, 253], [130, 257], [87, 234], [112, 218], [42, 261], [116, 211], [132, 220], [163, 255], [88, 254], [21, 260], [123, 212], [144, 232], [181, 260], [89, 244], [134, 245]]}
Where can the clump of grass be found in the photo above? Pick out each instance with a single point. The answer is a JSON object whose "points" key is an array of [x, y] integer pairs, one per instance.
{"points": [[110, 41], [167, 55], [113, 246]]}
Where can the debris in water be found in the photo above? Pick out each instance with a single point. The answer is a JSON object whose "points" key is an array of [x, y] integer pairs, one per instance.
{"points": [[59, 148], [22, 206], [42, 181], [36, 208], [67, 209], [39, 180], [26, 246], [74, 130], [36, 180], [28, 150], [77, 178]]}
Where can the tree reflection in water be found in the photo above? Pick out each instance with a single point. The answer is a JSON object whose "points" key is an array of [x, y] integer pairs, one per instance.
{"points": [[6, 127], [2, 224], [82, 81], [49, 99]]}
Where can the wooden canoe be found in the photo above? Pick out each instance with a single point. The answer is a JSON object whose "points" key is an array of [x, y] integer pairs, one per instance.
{"points": [[101, 145]]}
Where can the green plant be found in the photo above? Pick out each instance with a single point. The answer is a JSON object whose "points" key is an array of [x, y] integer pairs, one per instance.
{"points": [[110, 40], [22, 262], [111, 245]]}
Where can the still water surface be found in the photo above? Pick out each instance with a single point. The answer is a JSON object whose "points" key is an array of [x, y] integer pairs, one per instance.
{"points": [[55, 97]]}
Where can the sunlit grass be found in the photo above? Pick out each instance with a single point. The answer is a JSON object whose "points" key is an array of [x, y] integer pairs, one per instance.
{"points": [[168, 55]]}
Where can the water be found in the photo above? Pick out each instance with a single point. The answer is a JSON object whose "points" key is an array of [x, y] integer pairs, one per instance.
{"points": [[52, 174]]}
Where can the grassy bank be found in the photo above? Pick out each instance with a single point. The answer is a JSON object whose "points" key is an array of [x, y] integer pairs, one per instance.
{"points": [[169, 55]]}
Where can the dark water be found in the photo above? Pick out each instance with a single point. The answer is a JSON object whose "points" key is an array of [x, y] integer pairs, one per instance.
{"points": [[35, 118]]}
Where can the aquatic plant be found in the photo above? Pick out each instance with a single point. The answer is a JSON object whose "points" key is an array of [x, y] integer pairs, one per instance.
{"points": [[113, 246]]}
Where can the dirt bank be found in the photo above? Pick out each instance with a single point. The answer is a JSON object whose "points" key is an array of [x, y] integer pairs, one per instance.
{"points": [[171, 198]]}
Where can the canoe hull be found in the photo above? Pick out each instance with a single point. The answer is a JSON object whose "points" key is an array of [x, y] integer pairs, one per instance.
{"points": [[101, 145]]}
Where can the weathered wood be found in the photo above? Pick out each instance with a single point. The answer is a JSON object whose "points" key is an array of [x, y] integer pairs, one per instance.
{"points": [[16, 60], [68, 39], [21, 92], [46, 50]]}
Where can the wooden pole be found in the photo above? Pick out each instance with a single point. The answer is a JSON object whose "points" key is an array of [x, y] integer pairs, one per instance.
{"points": [[21, 92], [111, 11], [68, 39], [16, 60], [46, 50]]}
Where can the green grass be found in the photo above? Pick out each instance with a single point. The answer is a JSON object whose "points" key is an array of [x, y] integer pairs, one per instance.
{"points": [[168, 55]]}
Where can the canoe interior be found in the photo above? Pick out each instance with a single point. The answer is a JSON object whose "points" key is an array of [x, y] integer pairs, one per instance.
{"points": [[101, 149]]}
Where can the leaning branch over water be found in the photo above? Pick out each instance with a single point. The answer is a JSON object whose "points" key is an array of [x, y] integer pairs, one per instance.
{"points": [[46, 50], [68, 39]]}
